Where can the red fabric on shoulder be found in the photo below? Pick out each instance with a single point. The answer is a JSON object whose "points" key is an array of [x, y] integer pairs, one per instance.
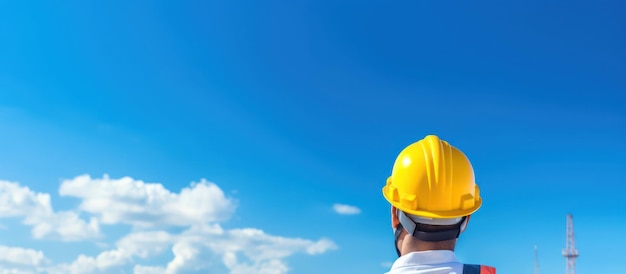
{"points": [[487, 270]]}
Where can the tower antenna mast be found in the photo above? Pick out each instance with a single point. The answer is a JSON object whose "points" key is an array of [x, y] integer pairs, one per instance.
{"points": [[570, 252]]}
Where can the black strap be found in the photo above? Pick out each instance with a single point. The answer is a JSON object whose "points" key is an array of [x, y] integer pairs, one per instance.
{"points": [[471, 269], [396, 235], [437, 236]]}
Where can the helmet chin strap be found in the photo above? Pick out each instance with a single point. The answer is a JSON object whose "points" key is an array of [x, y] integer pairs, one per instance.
{"points": [[396, 235], [413, 229]]}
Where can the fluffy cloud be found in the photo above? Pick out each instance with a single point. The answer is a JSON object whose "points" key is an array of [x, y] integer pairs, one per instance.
{"points": [[346, 209], [36, 211], [241, 251], [22, 256], [252, 248], [17, 260], [184, 227], [140, 269], [143, 204]]}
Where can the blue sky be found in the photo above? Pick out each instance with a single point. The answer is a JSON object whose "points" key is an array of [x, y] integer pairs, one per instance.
{"points": [[135, 135]]}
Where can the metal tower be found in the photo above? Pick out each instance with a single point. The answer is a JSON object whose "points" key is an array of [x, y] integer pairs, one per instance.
{"points": [[536, 261], [570, 252]]}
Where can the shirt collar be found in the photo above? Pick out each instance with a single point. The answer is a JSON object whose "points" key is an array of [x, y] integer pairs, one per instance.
{"points": [[425, 257]]}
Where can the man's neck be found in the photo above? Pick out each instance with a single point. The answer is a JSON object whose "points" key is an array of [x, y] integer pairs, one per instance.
{"points": [[413, 245]]}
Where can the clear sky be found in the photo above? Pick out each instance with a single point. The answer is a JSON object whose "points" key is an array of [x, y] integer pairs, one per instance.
{"points": [[255, 136]]}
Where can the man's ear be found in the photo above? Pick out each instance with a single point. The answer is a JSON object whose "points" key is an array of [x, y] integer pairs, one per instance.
{"points": [[465, 222], [394, 217]]}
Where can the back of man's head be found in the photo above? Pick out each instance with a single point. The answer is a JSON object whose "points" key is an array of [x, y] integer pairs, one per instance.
{"points": [[432, 191]]}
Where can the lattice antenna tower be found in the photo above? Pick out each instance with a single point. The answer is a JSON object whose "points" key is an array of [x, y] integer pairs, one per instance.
{"points": [[570, 252]]}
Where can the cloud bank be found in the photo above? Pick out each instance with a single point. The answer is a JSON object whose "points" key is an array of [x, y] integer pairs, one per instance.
{"points": [[183, 227]]}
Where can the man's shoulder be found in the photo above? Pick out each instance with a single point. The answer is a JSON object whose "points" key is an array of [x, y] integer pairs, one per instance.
{"points": [[448, 268]]}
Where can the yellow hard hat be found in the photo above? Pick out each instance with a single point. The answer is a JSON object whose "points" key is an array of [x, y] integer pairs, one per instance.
{"points": [[432, 179]]}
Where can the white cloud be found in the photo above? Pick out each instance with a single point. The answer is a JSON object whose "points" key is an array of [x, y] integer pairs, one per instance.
{"points": [[155, 214], [321, 246], [18, 201], [145, 244], [37, 211], [22, 256], [269, 267], [64, 224], [142, 204], [258, 246], [15, 271], [241, 251], [346, 209], [18, 260], [140, 269]]}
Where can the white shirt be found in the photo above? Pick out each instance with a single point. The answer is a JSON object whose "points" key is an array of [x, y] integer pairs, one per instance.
{"points": [[427, 262]]}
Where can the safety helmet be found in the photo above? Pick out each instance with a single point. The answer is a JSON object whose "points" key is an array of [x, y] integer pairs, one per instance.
{"points": [[434, 180]]}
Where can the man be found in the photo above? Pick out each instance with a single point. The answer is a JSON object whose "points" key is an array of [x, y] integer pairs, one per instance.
{"points": [[432, 194]]}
